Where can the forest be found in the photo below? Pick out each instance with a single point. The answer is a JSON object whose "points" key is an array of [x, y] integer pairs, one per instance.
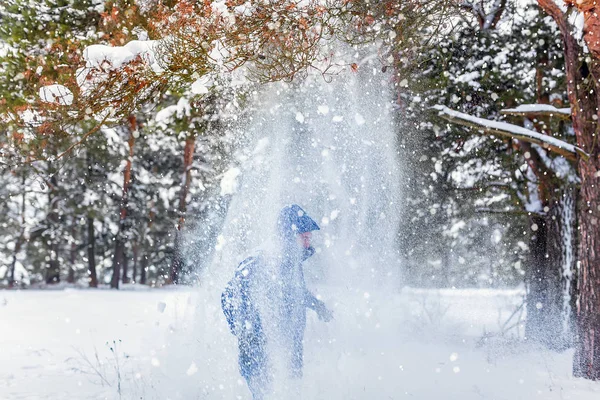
{"points": [[136, 136]]}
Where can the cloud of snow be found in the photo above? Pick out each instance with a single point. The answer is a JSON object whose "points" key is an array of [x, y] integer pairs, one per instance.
{"points": [[229, 181], [201, 85]]}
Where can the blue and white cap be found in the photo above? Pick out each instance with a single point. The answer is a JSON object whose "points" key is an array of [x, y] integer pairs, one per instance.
{"points": [[294, 220]]}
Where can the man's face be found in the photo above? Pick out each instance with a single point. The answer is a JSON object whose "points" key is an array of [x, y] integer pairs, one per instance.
{"points": [[304, 239]]}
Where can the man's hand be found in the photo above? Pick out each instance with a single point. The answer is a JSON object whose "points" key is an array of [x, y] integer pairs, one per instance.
{"points": [[324, 313]]}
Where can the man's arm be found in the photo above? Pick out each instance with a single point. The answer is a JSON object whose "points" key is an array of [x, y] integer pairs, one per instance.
{"points": [[317, 305]]}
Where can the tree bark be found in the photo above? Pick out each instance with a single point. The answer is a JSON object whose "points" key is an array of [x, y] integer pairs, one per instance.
{"points": [[582, 90], [591, 24], [91, 247], [119, 254], [188, 157], [587, 351]]}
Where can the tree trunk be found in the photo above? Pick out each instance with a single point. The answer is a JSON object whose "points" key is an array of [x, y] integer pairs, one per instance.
{"points": [[544, 276], [13, 263], [125, 278], [72, 256], [549, 301], [563, 240], [583, 95], [188, 157], [548, 298], [117, 262], [587, 352], [142, 242], [591, 20], [21, 239], [535, 327], [52, 269], [446, 268], [143, 269], [92, 252], [135, 250], [71, 275], [119, 254]]}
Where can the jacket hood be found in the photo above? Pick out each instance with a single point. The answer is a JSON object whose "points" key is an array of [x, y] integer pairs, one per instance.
{"points": [[293, 220]]}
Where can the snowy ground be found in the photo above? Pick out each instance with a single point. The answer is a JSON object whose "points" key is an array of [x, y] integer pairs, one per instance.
{"points": [[174, 344]]}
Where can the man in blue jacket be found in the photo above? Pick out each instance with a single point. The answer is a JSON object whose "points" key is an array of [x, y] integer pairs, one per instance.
{"points": [[267, 300]]}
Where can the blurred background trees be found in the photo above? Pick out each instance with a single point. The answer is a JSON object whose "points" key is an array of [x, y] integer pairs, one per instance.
{"points": [[120, 202]]}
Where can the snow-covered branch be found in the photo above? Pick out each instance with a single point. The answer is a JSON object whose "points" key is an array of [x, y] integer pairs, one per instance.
{"points": [[505, 129], [487, 20], [487, 210], [538, 110], [492, 18]]}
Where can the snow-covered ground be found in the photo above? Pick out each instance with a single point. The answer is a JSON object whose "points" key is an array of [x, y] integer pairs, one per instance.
{"points": [[174, 344]]}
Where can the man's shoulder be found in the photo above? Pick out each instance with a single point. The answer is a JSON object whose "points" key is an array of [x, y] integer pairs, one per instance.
{"points": [[250, 263]]}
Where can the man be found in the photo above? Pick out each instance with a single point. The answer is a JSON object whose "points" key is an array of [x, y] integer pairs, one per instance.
{"points": [[266, 301]]}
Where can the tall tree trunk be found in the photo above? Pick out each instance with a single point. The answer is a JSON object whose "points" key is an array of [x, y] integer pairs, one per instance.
{"points": [[549, 302], [583, 94], [21, 238], [564, 241], [13, 263], [125, 278], [119, 254], [143, 269], [545, 304], [142, 242], [537, 286], [91, 247], [135, 249], [71, 274], [188, 157], [177, 262], [446, 267], [53, 268], [547, 311], [72, 256], [587, 352]]}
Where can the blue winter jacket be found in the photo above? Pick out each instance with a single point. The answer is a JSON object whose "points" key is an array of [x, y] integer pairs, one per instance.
{"points": [[237, 300]]}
